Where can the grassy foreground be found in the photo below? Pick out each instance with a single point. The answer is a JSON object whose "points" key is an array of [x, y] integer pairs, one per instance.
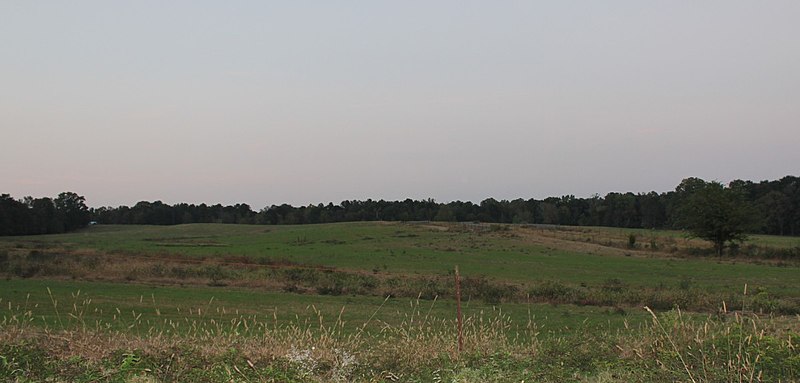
{"points": [[221, 303], [114, 333]]}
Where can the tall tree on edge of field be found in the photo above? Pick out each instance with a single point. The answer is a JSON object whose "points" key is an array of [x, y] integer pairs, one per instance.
{"points": [[715, 213]]}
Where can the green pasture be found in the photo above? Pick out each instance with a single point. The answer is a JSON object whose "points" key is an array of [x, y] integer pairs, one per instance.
{"points": [[572, 342], [398, 248]]}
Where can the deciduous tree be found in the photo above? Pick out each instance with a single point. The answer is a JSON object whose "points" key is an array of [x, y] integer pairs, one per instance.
{"points": [[72, 208], [715, 213]]}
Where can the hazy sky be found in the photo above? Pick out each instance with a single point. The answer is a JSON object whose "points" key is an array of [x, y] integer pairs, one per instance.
{"points": [[305, 102]]}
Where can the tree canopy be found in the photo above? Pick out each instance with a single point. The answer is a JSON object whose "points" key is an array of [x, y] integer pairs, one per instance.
{"points": [[715, 213], [43, 215]]}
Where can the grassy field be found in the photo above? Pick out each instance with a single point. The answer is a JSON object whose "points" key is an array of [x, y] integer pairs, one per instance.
{"points": [[588, 256], [541, 304]]}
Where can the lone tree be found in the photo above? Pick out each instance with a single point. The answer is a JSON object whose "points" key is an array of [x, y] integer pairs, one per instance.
{"points": [[715, 213]]}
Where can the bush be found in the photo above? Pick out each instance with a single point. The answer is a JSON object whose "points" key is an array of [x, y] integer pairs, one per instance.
{"points": [[41, 257], [491, 292], [613, 285], [426, 288], [25, 270], [180, 272], [555, 291], [157, 270], [309, 276], [216, 273], [631, 241]]}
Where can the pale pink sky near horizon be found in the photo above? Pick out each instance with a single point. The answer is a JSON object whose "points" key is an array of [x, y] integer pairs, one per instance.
{"points": [[307, 102]]}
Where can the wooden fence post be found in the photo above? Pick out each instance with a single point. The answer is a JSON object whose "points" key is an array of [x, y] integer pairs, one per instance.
{"points": [[458, 312]]}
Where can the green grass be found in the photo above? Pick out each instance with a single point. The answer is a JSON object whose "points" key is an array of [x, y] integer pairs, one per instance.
{"points": [[56, 304], [775, 241], [59, 327], [213, 347], [418, 249]]}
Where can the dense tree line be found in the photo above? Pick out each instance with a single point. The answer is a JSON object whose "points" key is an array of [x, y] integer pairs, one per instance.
{"points": [[45, 215], [159, 213], [772, 207]]}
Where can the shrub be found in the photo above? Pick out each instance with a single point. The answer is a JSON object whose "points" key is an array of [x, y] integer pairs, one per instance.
{"points": [[179, 272], [40, 256], [631, 241], [309, 276], [25, 269], [491, 292], [157, 270], [216, 273], [555, 291], [613, 285]]}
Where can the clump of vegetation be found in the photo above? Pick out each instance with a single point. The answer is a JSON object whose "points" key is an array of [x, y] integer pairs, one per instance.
{"points": [[557, 292], [631, 241], [480, 287]]}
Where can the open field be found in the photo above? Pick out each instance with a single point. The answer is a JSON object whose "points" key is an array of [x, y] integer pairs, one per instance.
{"points": [[521, 253], [541, 304], [395, 255]]}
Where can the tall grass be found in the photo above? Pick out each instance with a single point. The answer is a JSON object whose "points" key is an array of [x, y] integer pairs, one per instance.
{"points": [[198, 345]]}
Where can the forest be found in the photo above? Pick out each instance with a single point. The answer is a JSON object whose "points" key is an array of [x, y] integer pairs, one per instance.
{"points": [[767, 207]]}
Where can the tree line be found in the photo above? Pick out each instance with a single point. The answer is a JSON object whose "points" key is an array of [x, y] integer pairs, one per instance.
{"points": [[45, 215], [768, 207]]}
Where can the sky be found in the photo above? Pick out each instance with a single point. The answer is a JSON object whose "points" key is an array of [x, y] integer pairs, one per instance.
{"points": [[300, 102]]}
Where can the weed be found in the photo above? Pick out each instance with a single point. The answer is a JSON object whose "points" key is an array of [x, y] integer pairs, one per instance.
{"points": [[631, 241]]}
